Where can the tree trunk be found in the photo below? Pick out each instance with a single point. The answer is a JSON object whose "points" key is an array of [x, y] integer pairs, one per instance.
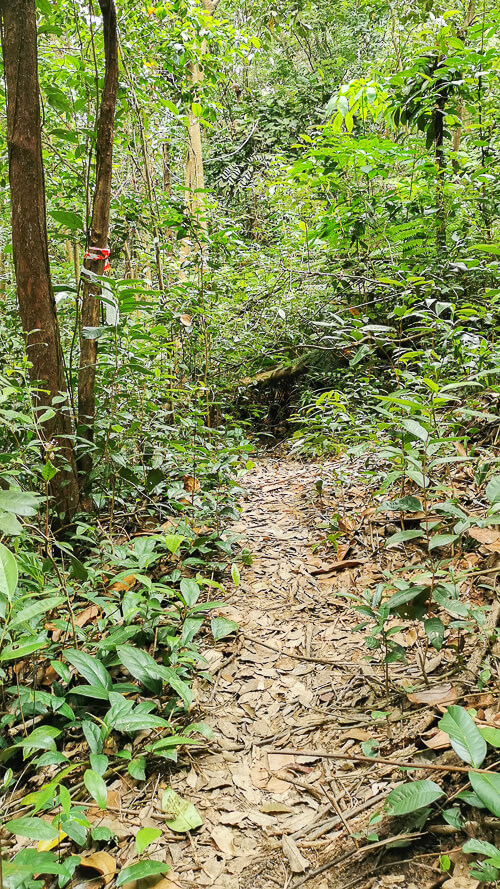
{"points": [[194, 174], [30, 247], [99, 232]]}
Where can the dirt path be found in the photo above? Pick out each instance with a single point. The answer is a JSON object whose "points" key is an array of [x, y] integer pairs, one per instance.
{"points": [[272, 819]]}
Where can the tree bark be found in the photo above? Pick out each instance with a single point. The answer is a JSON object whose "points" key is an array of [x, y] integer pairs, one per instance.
{"points": [[30, 247], [99, 232]]}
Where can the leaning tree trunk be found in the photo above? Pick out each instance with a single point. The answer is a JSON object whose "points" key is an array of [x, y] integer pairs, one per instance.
{"points": [[99, 231], [30, 248]]}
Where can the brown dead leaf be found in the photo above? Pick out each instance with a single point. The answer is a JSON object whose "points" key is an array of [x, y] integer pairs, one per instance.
{"points": [[356, 734], [223, 839], [186, 320], [439, 694], [102, 862], [438, 741], [342, 550], [337, 566], [123, 585], [87, 615], [191, 484], [298, 864]]}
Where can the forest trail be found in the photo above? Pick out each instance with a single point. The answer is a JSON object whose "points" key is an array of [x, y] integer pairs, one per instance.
{"points": [[273, 819]]}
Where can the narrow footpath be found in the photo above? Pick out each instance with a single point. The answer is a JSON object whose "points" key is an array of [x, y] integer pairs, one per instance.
{"points": [[297, 677]]}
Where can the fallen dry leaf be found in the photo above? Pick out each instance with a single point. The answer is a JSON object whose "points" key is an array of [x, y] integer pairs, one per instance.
{"points": [[298, 864], [123, 585], [102, 862], [438, 741], [484, 535], [87, 615], [439, 694]]}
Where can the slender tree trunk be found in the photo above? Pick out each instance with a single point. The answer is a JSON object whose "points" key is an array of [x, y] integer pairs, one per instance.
{"points": [[194, 174], [99, 232], [30, 246]]}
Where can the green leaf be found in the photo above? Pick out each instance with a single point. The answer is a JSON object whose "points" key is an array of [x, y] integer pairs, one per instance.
{"points": [[145, 836], [9, 525], [183, 815], [442, 540], [222, 627], [23, 647], [30, 611], [434, 629], [402, 504], [142, 666], [491, 735], [493, 489], [99, 762], [410, 797], [8, 572], [41, 738], [69, 219], [173, 542], [19, 502], [137, 768], [465, 737], [96, 786], [487, 788], [140, 870], [33, 828], [235, 574], [415, 429], [90, 668], [137, 722], [90, 691], [190, 591], [402, 536], [480, 847]]}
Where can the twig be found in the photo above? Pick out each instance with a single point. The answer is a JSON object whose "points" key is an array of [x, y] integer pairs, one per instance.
{"points": [[364, 849], [397, 763], [298, 657], [328, 824]]}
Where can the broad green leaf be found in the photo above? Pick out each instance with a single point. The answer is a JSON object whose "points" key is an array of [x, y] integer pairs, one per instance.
{"points": [[69, 219], [442, 540], [137, 768], [181, 814], [410, 797], [190, 591], [222, 627], [33, 828], [99, 762], [415, 428], [41, 738], [173, 542], [90, 668], [137, 722], [465, 737], [23, 647], [8, 572], [235, 574], [9, 525], [140, 870], [402, 504], [90, 691], [491, 735], [35, 609], [434, 629], [493, 489], [141, 665], [96, 786], [487, 788], [145, 836], [402, 537], [480, 847], [19, 502]]}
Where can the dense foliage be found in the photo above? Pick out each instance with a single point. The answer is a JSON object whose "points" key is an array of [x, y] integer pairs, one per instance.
{"points": [[344, 232]]}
